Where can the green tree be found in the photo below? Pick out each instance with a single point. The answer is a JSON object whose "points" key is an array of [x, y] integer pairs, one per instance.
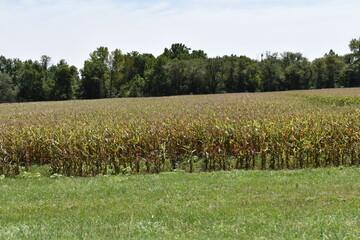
{"points": [[5, 65], [272, 73], [48, 80], [329, 71], [233, 81], [133, 88], [297, 71], [96, 75], [198, 54], [319, 70], [353, 59], [136, 64], [247, 75], [186, 76], [214, 72], [351, 72], [175, 72], [253, 75], [354, 46], [196, 76], [65, 81], [178, 51], [11, 67], [157, 84], [31, 81], [8, 90], [117, 64]]}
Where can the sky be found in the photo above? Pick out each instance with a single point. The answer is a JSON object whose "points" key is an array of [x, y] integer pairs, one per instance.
{"points": [[72, 29]]}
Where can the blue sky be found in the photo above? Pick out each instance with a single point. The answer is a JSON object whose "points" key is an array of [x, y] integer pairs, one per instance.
{"points": [[71, 29]]}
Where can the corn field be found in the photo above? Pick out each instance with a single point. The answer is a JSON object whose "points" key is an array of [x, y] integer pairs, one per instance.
{"points": [[315, 128]]}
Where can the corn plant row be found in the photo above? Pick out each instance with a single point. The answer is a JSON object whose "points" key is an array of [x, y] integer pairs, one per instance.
{"points": [[194, 133]]}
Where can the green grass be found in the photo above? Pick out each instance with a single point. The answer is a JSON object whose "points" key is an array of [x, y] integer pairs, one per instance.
{"points": [[286, 204], [334, 100]]}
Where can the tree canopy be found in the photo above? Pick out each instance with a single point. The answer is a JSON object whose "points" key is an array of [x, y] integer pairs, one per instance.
{"points": [[177, 71]]}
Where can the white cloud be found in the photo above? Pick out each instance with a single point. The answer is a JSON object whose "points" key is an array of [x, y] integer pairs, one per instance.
{"points": [[71, 29]]}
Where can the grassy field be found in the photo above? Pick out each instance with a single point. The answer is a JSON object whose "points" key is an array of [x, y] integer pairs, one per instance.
{"points": [[285, 204], [286, 130]]}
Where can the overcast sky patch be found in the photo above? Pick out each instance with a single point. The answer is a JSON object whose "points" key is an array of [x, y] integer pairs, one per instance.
{"points": [[71, 29]]}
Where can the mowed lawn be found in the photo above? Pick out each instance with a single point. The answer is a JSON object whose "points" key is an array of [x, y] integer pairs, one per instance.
{"points": [[285, 204]]}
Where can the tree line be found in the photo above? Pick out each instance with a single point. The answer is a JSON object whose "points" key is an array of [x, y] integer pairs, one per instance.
{"points": [[177, 71]]}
